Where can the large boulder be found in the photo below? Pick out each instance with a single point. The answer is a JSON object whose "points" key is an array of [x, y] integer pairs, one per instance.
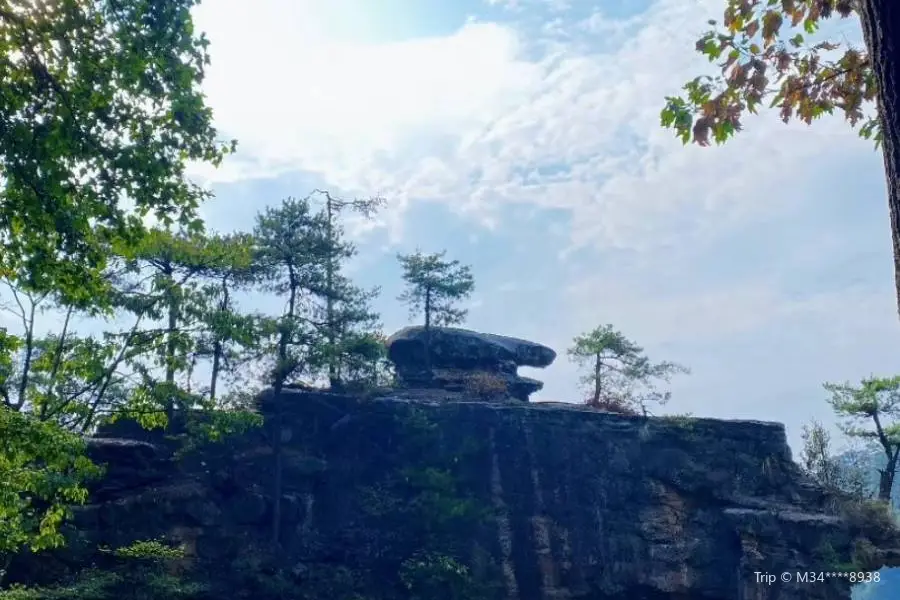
{"points": [[446, 358], [465, 349]]}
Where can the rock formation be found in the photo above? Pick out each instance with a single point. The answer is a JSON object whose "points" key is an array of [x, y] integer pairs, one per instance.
{"points": [[538, 501], [451, 359]]}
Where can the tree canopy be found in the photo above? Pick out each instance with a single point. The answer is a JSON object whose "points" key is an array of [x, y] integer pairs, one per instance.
{"points": [[434, 285], [619, 376], [100, 111]]}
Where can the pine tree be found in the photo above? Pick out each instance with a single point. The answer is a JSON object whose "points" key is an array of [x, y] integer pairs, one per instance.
{"points": [[620, 375], [433, 286], [872, 411], [338, 291]]}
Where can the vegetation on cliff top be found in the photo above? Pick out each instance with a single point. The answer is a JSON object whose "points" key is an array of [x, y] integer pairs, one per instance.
{"points": [[98, 220]]}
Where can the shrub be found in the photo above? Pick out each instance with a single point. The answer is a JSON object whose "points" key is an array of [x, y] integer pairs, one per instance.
{"points": [[612, 404], [871, 518], [486, 386]]}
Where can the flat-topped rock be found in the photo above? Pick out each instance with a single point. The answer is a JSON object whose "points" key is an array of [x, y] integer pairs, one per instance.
{"points": [[457, 360], [465, 349], [544, 502]]}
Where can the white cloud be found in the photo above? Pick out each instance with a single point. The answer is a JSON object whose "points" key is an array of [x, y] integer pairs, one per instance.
{"points": [[718, 313], [469, 120], [349, 110]]}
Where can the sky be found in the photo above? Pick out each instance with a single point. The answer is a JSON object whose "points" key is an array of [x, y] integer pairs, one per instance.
{"points": [[523, 137]]}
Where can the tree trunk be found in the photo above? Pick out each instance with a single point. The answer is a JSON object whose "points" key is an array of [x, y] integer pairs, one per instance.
{"points": [[26, 367], [880, 21], [330, 334], [281, 375], [54, 371], [886, 476], [598, 365], [427, 311], [427, 308], [171, 328], [886, 483], [170, 357], [216, 367], [218, 345], [278, 467]]}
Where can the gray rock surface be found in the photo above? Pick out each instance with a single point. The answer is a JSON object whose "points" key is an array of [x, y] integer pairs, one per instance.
{"points": [[575, 504], [448, 358]]}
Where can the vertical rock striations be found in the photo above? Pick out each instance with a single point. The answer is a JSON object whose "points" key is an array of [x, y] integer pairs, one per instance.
{"points": [[541, 502]]}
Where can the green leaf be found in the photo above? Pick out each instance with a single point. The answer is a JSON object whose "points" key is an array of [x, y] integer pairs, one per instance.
{"points": [[82, 135], [712, 50]]}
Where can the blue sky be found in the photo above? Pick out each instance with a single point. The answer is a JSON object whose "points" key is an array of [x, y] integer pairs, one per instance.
{"points": [[523, 137]]}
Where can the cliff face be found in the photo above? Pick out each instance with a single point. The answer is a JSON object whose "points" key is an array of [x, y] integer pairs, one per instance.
{"points": [[540, 502]]}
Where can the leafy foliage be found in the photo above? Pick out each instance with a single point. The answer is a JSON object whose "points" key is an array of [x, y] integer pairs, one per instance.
{"points": [[845, 473], [764, 55], [346, 307], [363, 361], [289, 261], [140, 571], [432, 507], [429, 576], [620, 377], [433, 285], [327, 327], [42, 472], [102, 102]]}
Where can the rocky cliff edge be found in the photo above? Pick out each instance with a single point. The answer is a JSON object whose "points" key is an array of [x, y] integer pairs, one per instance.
{"points": [[535, 501]]}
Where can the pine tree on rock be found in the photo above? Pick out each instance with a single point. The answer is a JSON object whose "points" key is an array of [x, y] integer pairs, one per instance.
{"points": [[337, 289], [620, 377], [433, 286], [290, 254]]}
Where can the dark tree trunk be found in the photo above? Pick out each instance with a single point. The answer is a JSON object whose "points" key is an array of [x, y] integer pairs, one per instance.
{"points": [[171, 347], [216, 367], [880, 21], [281, 375], [598, 374], [330, 334], [29, 353], [427, 311], [885, 484], [887, 475], [219, 345]]}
